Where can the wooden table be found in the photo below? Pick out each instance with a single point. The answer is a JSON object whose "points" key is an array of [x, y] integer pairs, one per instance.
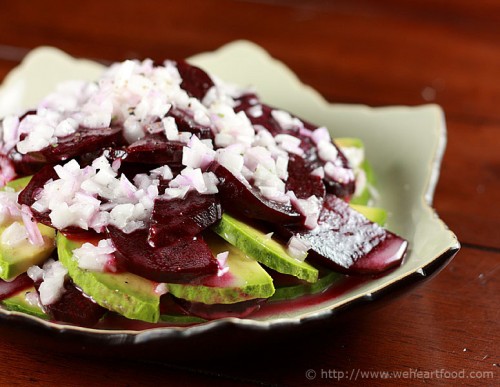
{"points": [[377, 53]]}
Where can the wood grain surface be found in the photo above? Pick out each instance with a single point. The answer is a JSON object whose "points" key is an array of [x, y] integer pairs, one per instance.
{"points": [[378, 53]]}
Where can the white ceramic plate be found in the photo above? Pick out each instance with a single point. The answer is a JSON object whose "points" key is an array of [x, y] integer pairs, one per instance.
{"points": [[404, 144]]}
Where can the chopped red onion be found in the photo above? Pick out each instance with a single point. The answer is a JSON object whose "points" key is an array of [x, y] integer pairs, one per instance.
{"points": [[14, 235], [52, 286], [285, 120], [310, 208], [222, 262], [197, 155], [9, 130], [339, 174], [297, 248], [7, 171], [320, 134], [34, 234], [161, 289], [327, 151], [95, 258]]}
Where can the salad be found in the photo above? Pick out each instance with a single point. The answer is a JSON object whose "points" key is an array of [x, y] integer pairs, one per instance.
{"points": [[160, 193]]}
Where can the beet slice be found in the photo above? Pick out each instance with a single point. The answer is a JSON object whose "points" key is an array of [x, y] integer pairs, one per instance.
{"points": [[74, 307], [179, 262], [8, 289], [195, 81], [300, 180], [28, 195], [340, 188], [215, 311], [387, 254], [154, 149], [242, 199], [84, 140], [175, 219], [185, 123], [348, 242], [22, 164]]}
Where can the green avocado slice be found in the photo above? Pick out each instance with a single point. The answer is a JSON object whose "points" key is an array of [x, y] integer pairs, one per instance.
{"points": [[284, 293], [263, 249], [180, 320], [245, 279], [374, 214], [18, 184], [15, 260], [19, 303], [125, 293]]}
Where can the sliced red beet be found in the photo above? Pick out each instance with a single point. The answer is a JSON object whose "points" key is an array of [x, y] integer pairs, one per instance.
{"points": [[185, 123], [348, 242], [84, 140], [300, 180], [311, 157], [8, 289], [154, 149], [245, 200], [387, 254], [28, 195], [195, 81], [74, 307], [175, 219], [179, 262], [216, 311], [23, 164]]}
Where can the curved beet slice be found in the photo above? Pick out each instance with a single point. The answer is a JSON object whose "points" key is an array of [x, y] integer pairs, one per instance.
{"points": [[348, 242], [185, 123], [24, 165], [300, 180], [179, 262], [154, 149], [385, 255], [29, 194], [216, 311], [9, 288], [242, 199], [343, 189], [74, 307], [194, 80], [84, 140], [175, 219]]}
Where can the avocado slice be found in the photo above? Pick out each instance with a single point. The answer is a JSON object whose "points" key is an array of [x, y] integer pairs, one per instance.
{"points": [[245, 280], [125, 293], [180, 319], [19, 303], [15, 260], [18, 184], [284, 293], [374, 214], [347, 143], [263, 249]]}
